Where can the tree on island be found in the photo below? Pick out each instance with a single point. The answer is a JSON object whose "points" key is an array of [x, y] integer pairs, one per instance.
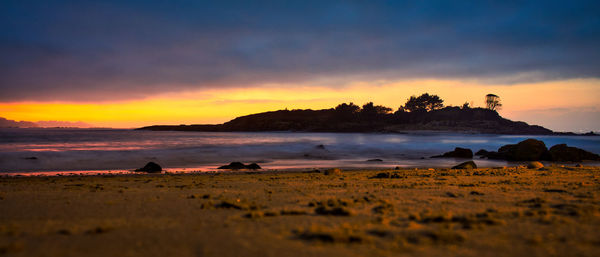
{"points": [[346, 112], [466, 105], [424, 102], [371, 112], [492, 102], [371, 109], [347, 108]]}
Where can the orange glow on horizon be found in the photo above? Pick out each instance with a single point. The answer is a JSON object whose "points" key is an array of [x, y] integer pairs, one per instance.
{"points": [[220, 105]]}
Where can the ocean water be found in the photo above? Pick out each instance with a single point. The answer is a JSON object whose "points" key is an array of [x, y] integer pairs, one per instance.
{"points": [[84, 150]]}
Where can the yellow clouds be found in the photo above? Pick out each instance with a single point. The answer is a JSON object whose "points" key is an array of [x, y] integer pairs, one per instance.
{"points": [[219, 105]]}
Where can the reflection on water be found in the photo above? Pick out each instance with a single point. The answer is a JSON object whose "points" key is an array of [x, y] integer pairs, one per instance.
{"points": [[122, 150]]}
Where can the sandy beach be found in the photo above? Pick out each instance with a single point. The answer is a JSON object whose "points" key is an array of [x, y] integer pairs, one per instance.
{"points": [[514, 211]]}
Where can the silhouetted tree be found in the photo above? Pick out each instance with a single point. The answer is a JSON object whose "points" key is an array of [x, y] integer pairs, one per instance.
{"points": [[371, 109], [401, 109], [371, 112], [347, 108], [466, 105], [424, 102], [492, 102], [346, 112]]}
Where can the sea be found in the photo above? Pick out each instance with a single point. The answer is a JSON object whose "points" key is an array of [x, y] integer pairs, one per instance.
{"points": [[37, 151]]}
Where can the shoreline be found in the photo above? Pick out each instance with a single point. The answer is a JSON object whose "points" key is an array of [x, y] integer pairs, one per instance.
{"points": [[305, 168]]}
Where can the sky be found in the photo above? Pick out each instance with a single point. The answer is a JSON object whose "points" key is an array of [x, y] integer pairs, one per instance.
{"points": [[136, 63]]}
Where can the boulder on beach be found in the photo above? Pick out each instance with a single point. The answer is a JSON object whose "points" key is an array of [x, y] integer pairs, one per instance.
{"points": [[565, 153], [491, 155], [457, 153], [333, 172], [466, 165], [239, 166], [150, 167], [527, 150], [535, 165]]}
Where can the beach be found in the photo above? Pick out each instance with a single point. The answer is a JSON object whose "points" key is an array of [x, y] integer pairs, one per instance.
{"points": [[502, 211]]}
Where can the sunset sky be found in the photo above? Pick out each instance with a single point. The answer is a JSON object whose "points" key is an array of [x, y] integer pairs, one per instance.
{"points": [[134, 63]]}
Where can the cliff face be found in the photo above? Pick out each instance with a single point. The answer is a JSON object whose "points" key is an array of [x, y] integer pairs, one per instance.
{"points": [[475, 120]]}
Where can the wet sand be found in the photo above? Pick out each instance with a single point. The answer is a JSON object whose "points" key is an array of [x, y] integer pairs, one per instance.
{"points": [[427, 212]]}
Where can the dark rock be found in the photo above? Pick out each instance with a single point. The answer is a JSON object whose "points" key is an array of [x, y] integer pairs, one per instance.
{"points": [[240, 166], [253, 166], [458, 153], [466, 165], [535, 165], [527, 150], [482, 152], [150, 167], [562, 152], [333, 172], [375, 160], [382, 175], [493, 155], [233, 166], [31, 158], [555, 191], [322, 147]]}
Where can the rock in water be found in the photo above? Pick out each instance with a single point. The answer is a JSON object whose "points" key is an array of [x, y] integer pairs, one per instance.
{"points": [[240, 166], [535, 165], [458, 153], [375, 160], [253, 166], [482, 152], [150, 167], [233, 166], [466, 165], [527, 150], [566, 153]]}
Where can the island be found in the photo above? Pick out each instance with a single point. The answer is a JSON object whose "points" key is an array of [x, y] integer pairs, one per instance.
{"points": [[425, 114]]}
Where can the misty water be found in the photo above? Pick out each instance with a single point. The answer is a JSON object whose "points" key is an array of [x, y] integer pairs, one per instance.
{"points": [[124, 150]]}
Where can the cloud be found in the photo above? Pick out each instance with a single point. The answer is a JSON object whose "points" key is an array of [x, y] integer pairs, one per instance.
{"points": [[62, 124], [80, 50]]}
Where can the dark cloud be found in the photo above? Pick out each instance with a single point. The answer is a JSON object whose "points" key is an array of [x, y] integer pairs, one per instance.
{"points": [[104, 50]]}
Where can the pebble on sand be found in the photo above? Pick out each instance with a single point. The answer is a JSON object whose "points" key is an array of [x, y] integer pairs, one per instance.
{"points": [[466, 165], [535, 165]]}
